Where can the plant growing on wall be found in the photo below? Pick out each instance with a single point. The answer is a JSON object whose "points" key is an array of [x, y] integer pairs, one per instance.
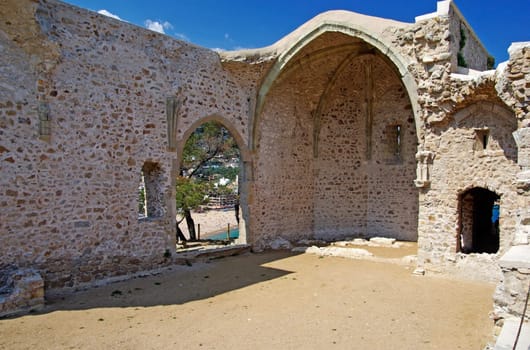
{"points": [[462, 43], [491, 62]]}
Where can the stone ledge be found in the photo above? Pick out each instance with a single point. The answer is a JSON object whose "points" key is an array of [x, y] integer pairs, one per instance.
{"points": [[213, 253], [517, 257], [506, 339]]}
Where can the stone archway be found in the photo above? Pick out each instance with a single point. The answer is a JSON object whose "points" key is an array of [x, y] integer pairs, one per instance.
{"points": [[310, 33], [244, 172], [335, 142]]}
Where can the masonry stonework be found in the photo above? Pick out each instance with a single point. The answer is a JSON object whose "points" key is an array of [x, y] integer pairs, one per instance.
{"points": [[351, 126]]}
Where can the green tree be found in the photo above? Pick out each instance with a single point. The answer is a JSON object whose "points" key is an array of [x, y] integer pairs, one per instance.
{"points": [[209, 145], [191, 194]]}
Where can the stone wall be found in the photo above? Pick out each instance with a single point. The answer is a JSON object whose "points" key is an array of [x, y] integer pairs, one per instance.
{"points": [[462, 46], [69, 196], [364, 186], [342, 183], [466, 49], [459, 166], [476, 103], [283, 169]]}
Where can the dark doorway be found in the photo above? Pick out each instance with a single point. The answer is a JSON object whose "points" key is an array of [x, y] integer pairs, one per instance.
{"points": [[479, 221]]}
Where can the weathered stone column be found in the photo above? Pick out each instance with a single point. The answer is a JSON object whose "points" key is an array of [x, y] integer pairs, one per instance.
{"points": [[424, 163], [246, 189]]}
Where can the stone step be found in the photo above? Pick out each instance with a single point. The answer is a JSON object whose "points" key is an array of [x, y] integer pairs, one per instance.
{"points": [[506, 339], [211, 253]]}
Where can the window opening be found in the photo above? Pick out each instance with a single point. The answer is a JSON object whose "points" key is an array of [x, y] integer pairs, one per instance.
{"points": [[393, 136], [481, 139], [44, 121], [142, 205], [398, 141], [152, 176]]}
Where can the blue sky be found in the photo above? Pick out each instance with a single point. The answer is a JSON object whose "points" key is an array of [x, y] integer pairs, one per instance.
{"points": [[235, 24]]}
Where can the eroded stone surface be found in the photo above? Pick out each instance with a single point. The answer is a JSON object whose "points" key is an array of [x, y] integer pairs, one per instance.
{"points": [[21, 290]]}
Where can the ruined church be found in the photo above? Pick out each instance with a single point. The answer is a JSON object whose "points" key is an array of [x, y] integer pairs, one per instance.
{"points": [[350, 126]]}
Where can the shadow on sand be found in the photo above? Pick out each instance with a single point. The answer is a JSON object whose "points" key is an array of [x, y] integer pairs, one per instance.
{"points": [[176, 285]]}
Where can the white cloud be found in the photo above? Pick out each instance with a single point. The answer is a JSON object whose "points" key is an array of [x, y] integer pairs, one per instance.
{"points": [[158, 26], [227, 36], [108, 14]]}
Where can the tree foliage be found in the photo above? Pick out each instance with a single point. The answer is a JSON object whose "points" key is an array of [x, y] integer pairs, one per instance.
{"points": [[191, 193], [205, 144]]}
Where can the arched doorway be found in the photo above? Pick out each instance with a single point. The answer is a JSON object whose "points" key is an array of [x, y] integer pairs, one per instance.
{"points": [[479, 221], [211, 176]]}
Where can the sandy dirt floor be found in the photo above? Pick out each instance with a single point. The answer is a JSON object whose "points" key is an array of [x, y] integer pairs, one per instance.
{"points": [[211, 221], [273, 300]]}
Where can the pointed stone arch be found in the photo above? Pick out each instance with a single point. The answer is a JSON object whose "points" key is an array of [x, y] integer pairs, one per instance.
{"points": [[245, 155], [312, 31], [245, 167]]}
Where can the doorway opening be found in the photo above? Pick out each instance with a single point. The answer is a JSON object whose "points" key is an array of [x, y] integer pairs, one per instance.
{"points": [[479, 221], [208, 187]]}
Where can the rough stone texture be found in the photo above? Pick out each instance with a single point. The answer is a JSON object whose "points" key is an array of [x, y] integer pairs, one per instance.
{"points": [[465, 43], [459, 166], [75, 194], [87, 105], [21, 290], [351, 173], [510, 295]]}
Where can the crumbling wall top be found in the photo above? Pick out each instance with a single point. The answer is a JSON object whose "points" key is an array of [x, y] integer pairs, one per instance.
{"points": [[467, 51]]}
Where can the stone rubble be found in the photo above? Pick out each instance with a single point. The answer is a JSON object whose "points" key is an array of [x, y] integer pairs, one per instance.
{"points": [[21, 291], [352, 253]]}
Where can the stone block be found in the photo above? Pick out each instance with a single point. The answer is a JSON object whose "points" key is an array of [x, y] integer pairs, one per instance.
{"points": [[382, 241], [280, 243], [516, 257], [506, 339], [23, 291]]}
